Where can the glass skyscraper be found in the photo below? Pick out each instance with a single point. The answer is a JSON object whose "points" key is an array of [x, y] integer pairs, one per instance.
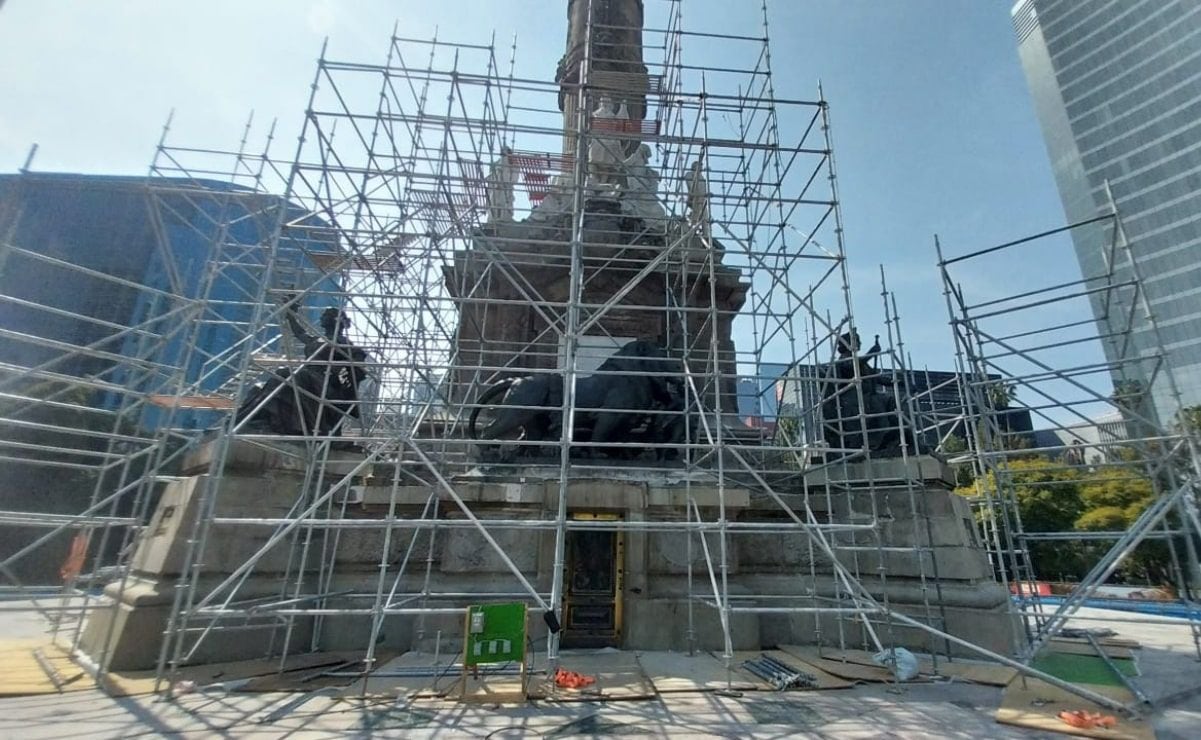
{"points": [[1117, 89]]}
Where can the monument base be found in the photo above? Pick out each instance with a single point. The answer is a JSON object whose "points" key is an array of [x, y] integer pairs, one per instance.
{"points": [[627, 588], [259, 481]]}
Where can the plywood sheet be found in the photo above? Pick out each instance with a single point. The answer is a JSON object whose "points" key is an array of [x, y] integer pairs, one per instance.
{"points": [[1077, 647], [505, 689], [618, 676], [754, 683], [1036, 705], [846, 669], [843, 655], [304, 680], [21, 646], [1112, 640], [21, 674], [990, 674], [445, 676], [134, 683], [680, 672]]}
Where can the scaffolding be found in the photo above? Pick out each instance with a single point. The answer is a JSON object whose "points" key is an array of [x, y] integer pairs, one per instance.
{"points": [[476, 227], [1110, 440], [405, 196]]}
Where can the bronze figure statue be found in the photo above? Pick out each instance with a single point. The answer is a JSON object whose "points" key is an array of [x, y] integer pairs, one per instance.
{"points": [[846, 427], [610, 404], [317, 397]]}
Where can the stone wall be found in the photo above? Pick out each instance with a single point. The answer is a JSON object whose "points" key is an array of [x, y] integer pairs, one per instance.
{"points": [[964, 597]]}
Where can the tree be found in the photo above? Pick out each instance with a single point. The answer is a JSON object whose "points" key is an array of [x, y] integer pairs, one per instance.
{"points": [[1123, 488], [1048, 495], [1000, 394], [1112, 504], [955, 445], [1048, 500], [1052, 497], [1105, 518], [1128, 395], [1188, 420], [789, 433]]}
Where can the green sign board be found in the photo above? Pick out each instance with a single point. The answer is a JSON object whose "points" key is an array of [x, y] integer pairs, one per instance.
{"points": [[495, 634]]}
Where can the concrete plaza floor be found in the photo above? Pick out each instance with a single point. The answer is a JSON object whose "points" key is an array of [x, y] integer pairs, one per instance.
{"points": [[1170, 674]]}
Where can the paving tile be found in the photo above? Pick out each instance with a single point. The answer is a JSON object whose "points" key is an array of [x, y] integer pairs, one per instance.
{"points": [[943, 709]]}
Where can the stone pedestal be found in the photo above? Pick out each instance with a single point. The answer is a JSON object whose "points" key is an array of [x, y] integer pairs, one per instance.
{"points": [[932, 567], [510, 267], [257, 482], [927, 562]]}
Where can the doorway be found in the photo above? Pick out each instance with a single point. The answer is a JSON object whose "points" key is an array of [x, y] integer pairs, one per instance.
{"points": [[592, 595]]}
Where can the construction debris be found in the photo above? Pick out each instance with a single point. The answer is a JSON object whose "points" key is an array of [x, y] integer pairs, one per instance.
{"points": [[1083, 719], [572, 680], [779, 674]]}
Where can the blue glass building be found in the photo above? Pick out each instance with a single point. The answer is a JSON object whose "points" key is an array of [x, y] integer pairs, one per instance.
{"points": [[137, 252], [1116, 86]]}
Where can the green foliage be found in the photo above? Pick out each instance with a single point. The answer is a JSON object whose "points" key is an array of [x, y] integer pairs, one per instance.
{"points": [[1103, 518], [1047, 493], [1128, 394], [1015, 441], [1000, 394], [789, 430], [1051, 504], [1053, 497], [788, 434], [954, 445], [1188, 420], [1120, 488]]}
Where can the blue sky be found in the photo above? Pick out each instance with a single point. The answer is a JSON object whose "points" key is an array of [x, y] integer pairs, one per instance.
{"points": [[934, 128]]}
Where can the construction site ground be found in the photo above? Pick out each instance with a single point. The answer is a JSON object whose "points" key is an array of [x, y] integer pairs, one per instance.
{"points": [[647, 694]]}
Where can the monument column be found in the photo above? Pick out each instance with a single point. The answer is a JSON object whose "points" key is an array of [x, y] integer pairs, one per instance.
{"points": [[616, 64], [624, 225]]}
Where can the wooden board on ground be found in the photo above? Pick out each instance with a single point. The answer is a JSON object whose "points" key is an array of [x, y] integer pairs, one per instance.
{"points": [[135, 683], [503, 689], [309, 679], [1111, 641], [849, 670], [444, 676], [842, 655], [680, 672], [825, 679], [24, 675], [1074, 647], [990, 674], [618, 676], [300, 681], [1036, 705]]}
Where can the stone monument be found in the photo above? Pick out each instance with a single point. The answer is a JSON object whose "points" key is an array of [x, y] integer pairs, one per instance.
{"points": [[507, 281], [630, 588], [615, 60]]}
